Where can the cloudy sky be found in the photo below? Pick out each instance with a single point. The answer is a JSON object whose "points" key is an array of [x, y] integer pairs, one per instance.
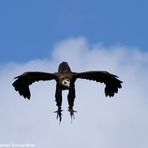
{"points": [[90, 35]]}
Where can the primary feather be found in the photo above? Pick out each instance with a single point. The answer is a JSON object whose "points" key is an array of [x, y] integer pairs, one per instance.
{"points": [[23, 81], [110, 80]]}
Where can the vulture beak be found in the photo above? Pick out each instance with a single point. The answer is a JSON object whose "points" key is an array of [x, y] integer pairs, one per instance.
{"points": [[66, 82]]}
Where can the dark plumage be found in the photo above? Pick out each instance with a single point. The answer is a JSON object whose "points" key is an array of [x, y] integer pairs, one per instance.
{"points": [[65, 79]]}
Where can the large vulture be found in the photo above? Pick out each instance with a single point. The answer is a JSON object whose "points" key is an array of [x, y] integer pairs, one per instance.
{"points": [[65, 80]]}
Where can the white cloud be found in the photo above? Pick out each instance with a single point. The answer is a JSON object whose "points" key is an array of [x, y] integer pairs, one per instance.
{"points": [[118, 122]]}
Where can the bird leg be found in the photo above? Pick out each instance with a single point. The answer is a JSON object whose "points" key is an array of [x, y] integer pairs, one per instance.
{"points": [[58, 96], [71, 97]]}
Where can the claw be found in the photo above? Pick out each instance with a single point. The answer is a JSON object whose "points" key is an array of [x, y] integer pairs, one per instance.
{"points": [[59, 114], [71, 111]]}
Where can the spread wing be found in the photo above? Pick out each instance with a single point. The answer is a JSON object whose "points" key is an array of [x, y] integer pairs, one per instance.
{"points": [[22, 82], [110, 80]]}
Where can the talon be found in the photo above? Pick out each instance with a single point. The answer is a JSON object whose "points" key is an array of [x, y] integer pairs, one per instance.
{"points": [[71, 111], [59, 114]]}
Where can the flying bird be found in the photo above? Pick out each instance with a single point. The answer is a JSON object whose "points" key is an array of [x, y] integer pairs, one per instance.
{"points": [[65, 80]]}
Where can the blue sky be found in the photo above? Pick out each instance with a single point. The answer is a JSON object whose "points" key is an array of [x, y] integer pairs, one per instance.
{"points": [[29, 29], [106, 35]]}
